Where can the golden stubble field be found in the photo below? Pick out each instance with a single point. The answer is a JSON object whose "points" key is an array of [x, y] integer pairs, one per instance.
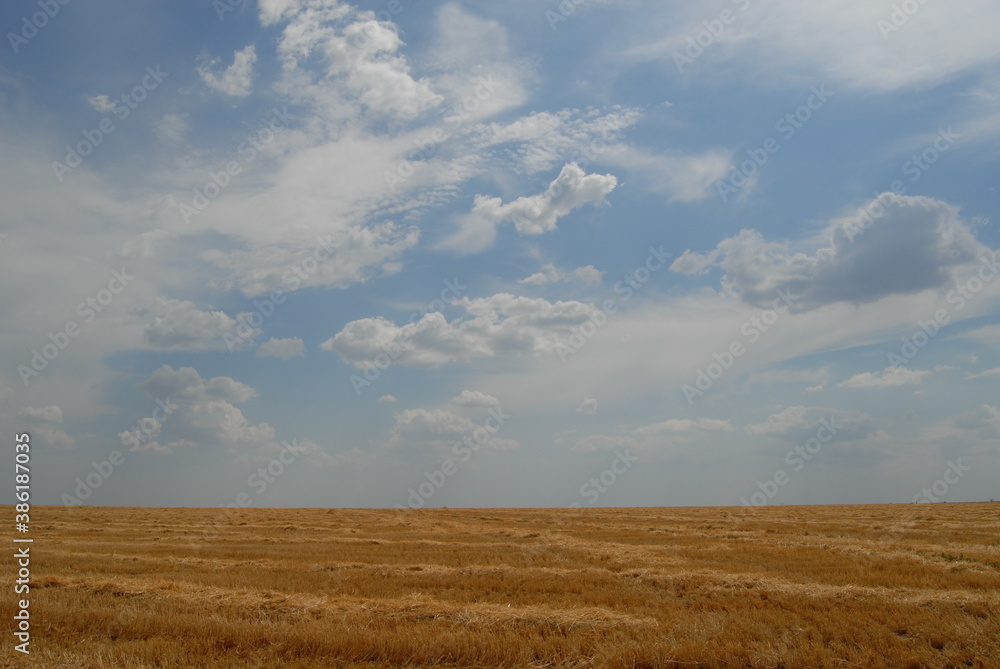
{"points": [[822, 586]]}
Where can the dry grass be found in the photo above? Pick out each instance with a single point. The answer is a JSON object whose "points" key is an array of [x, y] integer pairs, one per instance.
{"points": [[836, 586]]}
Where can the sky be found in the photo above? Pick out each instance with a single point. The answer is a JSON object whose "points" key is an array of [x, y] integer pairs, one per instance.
{"points": [[307, 253]]}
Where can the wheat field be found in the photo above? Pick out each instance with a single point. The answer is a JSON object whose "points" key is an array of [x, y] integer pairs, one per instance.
{"points": [[820, 586]]}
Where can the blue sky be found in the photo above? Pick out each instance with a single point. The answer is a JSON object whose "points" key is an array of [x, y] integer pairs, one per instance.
{"points": [[608, 253]]}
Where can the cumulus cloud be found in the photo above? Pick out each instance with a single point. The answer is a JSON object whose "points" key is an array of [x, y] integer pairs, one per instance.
{"points": [[501, 324], [551, 274], [889, 377], [387, 398], [202, 413], [359, 53], [180, 325], [537, 214], [43, 427], [51, 437], [895, 245], [474, 398], [439, 431], [143, 438], [282, 348], [531, 215], [237, 79], [187, 385], [587, 406]]}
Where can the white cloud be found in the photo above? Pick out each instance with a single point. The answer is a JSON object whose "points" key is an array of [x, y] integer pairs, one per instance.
{"points": [[468, 49], [281, 348], [143, 438], [51, 437], [237, 79], [387, 398], [187, 385], [48, 414], [438, 431], [896, 245], [534, 214], [889, 377], [203, 414], [501, 324], [474, 398], [43, 428], [180, 325], [360, 60], [587, 406], [551, 274], [843, 42], [101, 103]]}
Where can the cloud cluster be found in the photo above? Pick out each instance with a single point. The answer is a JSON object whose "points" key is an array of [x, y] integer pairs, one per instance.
{"points": [[532, 214], [204, 413], [237, 79], [42, 422], [537, 214], [359, 55], [474, 398], [896, 245], [503, 324], [423, 432], [180, 325]]}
